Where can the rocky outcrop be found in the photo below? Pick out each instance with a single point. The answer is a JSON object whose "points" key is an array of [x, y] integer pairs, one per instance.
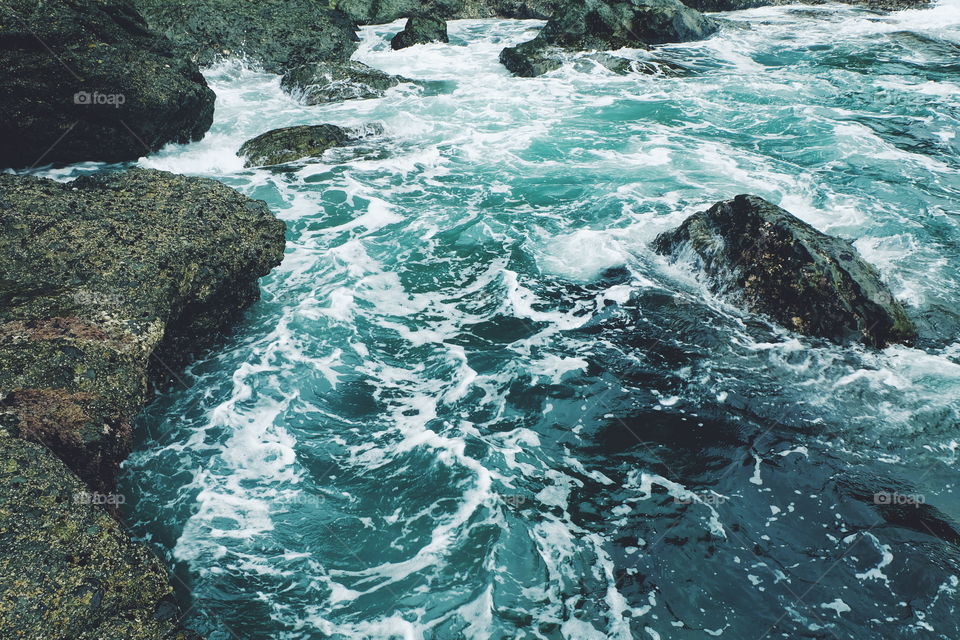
{"points": [[737, 5], [87, 80], [106, 282], [293, 143], [776, 264], [602, 25], [382, 11], [323, 82], [277, 35], [420, 30]]}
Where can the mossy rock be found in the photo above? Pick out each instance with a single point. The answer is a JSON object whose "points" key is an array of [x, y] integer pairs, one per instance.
{"points": [[294, 143], [106, 282]]}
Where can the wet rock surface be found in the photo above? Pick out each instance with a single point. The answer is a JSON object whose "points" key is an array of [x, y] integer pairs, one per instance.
{"points": [[106, 283], [382, 11], [87, 80], [277, 35], [324, 82], [595, 25], [775, 264], [293, 143], [420, 30]]}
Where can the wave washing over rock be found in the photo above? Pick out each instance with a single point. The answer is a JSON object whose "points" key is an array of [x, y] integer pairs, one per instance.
{"points": [[480, 399]]}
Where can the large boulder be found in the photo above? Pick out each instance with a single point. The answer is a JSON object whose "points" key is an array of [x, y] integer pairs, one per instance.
{"points": [[293, 143], [323, 82], [106, 283], [87, 80], [420, 30], [277, 35], [603, 25], [775, 264]]}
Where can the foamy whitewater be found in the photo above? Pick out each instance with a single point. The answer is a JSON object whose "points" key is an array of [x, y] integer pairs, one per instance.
{"points": [[472, 403]]}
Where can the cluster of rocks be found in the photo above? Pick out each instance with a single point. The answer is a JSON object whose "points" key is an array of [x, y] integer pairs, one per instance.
{"points": [[110, 282]]}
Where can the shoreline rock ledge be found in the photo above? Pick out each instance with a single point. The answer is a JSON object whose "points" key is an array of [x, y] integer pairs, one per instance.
{"points": [[777, 265], [106, 283]]}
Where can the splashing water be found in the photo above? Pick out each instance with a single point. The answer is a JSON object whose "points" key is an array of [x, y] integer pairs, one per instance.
{"points": [[473, 404]]}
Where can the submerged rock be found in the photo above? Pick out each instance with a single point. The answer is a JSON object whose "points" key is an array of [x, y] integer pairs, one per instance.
{"points": [[323, 82], [278, 35], [420, 30], [777, 265], [293, 143], [87, 80], [601, 25], [106, 282]]}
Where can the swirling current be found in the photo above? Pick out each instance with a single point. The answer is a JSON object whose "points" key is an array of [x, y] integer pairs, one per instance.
{"points": [[472, 403]]}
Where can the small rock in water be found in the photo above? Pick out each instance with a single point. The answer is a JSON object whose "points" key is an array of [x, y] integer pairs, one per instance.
{"points": [[324, 82], [780, 266], [293, 143], [421, 30]]}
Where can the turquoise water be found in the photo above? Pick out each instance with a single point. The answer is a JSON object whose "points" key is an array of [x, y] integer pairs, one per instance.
{"points": [[473, 404]]}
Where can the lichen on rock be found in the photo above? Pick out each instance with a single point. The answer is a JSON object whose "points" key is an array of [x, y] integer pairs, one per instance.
{"points": [[777, 265], [106, 282]]}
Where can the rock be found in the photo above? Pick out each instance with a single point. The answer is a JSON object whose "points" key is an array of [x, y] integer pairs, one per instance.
{"points": [[333, 82], [278, 35], [293, 143], [737, 5], [382, 11], [68, 568], [106, 282], [87, 80], [531, 59], [777, 265], [602, 25], [420, 30]]}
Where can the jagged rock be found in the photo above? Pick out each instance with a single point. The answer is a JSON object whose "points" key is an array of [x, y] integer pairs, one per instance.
{"points": [[381, 11], [776, 264], [278, 35], [737, 5], [106, 282], [87, 80], [601, 25], [420, 30], [293, 143], [333, 82]]}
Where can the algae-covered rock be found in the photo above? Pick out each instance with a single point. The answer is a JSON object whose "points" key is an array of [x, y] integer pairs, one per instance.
{"points": [[323, 82], [777, 265], [87, 80], [605, 25], [105, 282], [293, 143], [420, 30], [278, 35], [68, 570]]}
